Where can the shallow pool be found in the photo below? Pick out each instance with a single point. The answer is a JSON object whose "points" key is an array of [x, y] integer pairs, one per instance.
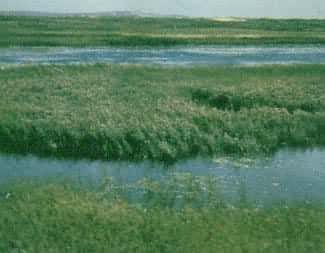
{"points": [[287, 176]]}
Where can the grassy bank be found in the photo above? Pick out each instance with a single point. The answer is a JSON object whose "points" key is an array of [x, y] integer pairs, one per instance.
{"points": [[55, 218], [137, 31], [138, 112]]}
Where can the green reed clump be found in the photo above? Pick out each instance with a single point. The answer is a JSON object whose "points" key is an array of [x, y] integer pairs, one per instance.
{"points": [[38, 217], [139, 112]]}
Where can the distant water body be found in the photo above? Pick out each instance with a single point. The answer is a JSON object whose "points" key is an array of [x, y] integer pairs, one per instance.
{"points": [[217, 55]]}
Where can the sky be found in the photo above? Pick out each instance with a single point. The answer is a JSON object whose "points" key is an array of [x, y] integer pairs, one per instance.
{"points": [[198, 8]]}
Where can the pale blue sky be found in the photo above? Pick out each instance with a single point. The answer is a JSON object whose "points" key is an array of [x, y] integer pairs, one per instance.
{"points": [[207, 8]]}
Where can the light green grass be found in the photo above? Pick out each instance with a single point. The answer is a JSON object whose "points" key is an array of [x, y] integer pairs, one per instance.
{"points": [[138, 112], [137, 31], [37, 218]]}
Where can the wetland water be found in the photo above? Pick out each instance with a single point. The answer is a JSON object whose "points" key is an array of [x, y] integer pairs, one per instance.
{"points": [[222, 55], [287, 176]]}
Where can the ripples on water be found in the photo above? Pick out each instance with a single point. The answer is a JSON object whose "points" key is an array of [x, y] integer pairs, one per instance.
{"points": [[222, 55]]}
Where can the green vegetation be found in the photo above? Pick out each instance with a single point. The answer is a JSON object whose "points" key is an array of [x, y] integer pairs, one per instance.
{"points": [[139, 112], [137, 31], [38, 217]]}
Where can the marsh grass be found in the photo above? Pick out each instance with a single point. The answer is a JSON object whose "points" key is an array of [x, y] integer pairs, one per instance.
{"points": [[138, 112], [39, 217], [149, 31]]}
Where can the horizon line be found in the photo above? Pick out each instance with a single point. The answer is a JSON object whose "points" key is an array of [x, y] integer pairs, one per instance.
{"points": [[140, 13]]}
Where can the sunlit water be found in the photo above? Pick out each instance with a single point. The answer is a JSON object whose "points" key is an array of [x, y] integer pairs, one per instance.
{"points": [[222, 55], [288, 176]]}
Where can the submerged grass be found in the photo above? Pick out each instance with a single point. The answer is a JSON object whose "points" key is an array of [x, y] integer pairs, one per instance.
{"points": [[36, 217], [140, 112], [149, 31]]}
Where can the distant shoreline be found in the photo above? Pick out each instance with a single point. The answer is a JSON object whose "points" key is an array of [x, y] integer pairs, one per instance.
{"points": [[124, 30]]}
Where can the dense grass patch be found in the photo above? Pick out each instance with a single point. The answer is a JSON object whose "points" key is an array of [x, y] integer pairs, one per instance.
{"points": [[55, 218], [138, 112], [137, 31]]}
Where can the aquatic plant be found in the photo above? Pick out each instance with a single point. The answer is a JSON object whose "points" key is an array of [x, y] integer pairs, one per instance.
{"points": [[38, 217], [139, 112]]}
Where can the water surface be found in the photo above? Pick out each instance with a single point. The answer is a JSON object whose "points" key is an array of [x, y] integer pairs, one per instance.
{"points": [[287, 176], [216, 55]]}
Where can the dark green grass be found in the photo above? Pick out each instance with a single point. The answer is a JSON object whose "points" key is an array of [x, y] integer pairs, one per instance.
{"points": [[136, 31], [37, 218], [138, 112]]}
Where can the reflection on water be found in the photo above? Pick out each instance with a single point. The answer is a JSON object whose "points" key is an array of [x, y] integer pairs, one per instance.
{"points": [[289, 175], [225, 55]]}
